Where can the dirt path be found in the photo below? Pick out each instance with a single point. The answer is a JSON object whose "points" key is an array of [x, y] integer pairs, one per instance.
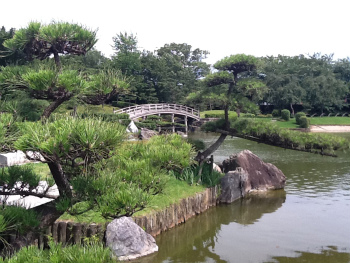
{"points": [[330, 128]]}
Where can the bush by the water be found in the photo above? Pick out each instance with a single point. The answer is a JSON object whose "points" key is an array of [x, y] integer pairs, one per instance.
{"points": [[232, 115], [212, 126], [285, 114], [304, 122], [274, 135], [127, 181], [298, 115]]}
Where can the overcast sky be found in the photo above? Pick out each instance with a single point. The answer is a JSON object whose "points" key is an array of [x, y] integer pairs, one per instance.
{"points": [[223, 27]]}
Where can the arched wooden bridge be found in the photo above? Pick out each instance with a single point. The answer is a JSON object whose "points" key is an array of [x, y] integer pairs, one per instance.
{"points": [[144, 110]]}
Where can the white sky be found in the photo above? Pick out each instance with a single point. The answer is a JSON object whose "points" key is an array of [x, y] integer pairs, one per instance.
{"points": [[223, 27]]}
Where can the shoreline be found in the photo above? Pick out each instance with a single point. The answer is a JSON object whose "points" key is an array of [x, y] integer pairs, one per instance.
{"points": [[329, 128]]}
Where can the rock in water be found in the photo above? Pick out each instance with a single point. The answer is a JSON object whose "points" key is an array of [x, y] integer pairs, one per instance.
{"points": [[246, 172], [127, 240]]}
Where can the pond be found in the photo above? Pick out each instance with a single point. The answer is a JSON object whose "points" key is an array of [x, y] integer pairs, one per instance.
{"points": [[308, 221]]}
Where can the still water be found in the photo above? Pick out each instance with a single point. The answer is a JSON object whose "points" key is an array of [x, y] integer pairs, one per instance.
{"points": [[308, 221]]}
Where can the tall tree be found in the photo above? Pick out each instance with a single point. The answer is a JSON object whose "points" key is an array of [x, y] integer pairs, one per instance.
{"points": [[230, 70], [181, 68], [50, 81]]}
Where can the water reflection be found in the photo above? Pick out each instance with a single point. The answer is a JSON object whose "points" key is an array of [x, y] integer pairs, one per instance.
{"points": [[195, 240], [328, 255], [306, 222]]}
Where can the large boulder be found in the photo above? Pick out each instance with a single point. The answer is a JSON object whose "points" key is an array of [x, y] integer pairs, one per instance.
{"points": [[127, 240], [246, 172], [146, 134]]}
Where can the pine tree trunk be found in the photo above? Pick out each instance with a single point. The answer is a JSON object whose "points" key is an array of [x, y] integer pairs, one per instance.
{"points": [[212, 148], [60, 179], [54, 105]]}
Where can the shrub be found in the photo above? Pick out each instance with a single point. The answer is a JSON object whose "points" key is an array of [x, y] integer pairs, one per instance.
{"points": [[90, 253], [232, 115], [23, 220], [208, 177], [276, 113], [122, 104], [197, 144], [212, 126], [285, 114], [249, 115], [304, 122], [298, 115]]}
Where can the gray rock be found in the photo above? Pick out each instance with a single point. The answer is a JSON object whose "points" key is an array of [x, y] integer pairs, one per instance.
{"points": [[231, 187], [146, 133], [246, 172], [127, 240]]}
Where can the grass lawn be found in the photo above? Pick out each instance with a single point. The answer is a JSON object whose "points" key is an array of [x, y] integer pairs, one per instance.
{"points": [[330, 121], [174, 191], [202, 114]]}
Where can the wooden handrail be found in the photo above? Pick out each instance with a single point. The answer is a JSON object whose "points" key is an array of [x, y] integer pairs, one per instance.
{"points": [[139, 109]]}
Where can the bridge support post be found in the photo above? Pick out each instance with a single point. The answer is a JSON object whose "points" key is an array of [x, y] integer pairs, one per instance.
{"points": [[186, 127], [172, 121]]}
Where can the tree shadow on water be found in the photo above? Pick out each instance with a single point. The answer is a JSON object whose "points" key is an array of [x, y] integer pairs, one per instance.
{"points": [[195, 240]]}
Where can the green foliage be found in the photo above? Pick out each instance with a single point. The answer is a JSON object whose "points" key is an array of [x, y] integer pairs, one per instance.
{"points": [[298, 115], [19, 178], [208, 177], [66, 37], [89, 253], [237, 63], [18, 218], [109, 117], [212, 126], [9, 132], [274, 135], [91, 139], [129, 179], [217, 78], [232, 115], [122, 104], [304, 122], [197, 144], [106, 81], [316, 82], [276, 113], [285, 114]]}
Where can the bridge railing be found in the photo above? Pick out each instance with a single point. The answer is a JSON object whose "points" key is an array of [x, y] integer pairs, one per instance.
{"points": [[154, 108]]}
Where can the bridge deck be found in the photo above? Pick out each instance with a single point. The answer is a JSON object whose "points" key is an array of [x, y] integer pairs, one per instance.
{"points": [[154, 109]]}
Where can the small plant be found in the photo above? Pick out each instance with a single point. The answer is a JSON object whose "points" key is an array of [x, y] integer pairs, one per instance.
{"points": [[285, 114]]}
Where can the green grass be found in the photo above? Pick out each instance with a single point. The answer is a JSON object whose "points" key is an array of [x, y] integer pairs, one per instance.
{"points": [[330, 121], [173, 192], [202, 114], [291, 124]]}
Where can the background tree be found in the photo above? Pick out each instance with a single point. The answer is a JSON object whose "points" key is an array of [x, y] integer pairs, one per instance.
{"points": [[7, 57], [313, 81]]}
